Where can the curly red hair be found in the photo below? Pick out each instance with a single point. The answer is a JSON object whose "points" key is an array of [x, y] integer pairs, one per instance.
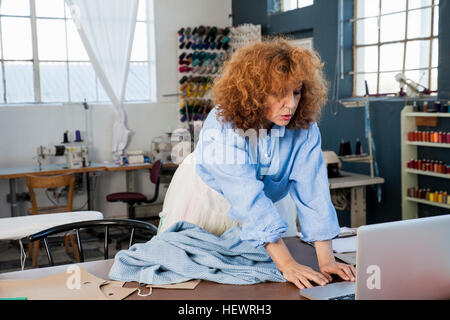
{"points": [[269, 67]]}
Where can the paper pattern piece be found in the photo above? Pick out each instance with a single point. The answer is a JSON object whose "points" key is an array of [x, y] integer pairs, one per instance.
{"points": [[187, 285], [348, 257], [64, 286], [190, 285], [341, 245]]}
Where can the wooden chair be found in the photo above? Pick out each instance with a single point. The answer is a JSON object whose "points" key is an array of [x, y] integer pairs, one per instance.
{"points": [[46, 182]]}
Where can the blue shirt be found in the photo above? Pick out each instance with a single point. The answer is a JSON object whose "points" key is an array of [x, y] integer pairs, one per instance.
{"points": [[253, 173]]}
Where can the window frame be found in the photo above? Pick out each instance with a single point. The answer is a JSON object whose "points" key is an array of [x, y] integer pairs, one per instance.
{"points": [[298, 6], [35, 60], [404, 41]]}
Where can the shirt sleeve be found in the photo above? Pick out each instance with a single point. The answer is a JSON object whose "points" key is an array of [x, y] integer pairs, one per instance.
{"points": [[238, 182], [309, 187]]}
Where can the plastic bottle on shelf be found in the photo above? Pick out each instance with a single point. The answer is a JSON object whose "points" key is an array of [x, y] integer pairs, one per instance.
{"points": [[444, 108], [437, 106]]}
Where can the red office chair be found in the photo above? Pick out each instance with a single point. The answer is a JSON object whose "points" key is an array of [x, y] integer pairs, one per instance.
{"points": [[132, 199]]}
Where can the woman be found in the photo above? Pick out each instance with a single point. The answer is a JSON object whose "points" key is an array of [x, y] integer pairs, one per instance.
{"points": [[258, 144]]}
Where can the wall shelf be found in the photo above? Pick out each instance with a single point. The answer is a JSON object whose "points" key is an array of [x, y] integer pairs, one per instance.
{"points": [[428, 173], [428, 114], [355, 158], [428, 144], [409, 150], [431, 203]]}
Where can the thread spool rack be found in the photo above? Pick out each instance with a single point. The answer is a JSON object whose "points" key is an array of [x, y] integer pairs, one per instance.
{"points": [[200, 56], [410, 120]]}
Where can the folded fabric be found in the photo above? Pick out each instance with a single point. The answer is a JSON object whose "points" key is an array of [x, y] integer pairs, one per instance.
{"points": [[185, 251]]}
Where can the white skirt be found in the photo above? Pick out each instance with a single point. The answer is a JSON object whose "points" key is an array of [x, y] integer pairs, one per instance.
{"points": [[190, 199]]}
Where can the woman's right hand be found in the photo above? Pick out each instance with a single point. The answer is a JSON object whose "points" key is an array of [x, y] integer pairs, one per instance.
{"points": [[301, 275]]}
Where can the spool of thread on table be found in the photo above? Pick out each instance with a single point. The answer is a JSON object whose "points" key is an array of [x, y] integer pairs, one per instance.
{"points": [[358, 149], [66, 137], [347, 148], [78, 136]]}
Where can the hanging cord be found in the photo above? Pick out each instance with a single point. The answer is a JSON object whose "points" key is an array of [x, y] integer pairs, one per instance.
{"points": [[23, 255], [338, 71], [84, 205], [339, 198], [48, 197], [369, 132], [94, 179], [149, 293]]}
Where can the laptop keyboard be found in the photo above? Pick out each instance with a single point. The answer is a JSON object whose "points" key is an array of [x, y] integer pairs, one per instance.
{"points": [[346, 297]]}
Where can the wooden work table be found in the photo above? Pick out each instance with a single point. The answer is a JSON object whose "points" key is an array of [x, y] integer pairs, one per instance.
{"points": [[357, 184], [353, 181], [14, 173], [205, 290], [131, 167]]}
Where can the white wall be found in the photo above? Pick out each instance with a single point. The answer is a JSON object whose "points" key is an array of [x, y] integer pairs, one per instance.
{"points": [[24, 128], [170, 16]]}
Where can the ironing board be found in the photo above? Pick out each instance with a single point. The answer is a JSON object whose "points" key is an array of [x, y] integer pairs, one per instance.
{"points": [[16, 228]]}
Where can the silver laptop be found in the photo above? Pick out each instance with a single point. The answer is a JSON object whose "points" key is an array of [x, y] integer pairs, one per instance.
{"points": [[408, 259]]}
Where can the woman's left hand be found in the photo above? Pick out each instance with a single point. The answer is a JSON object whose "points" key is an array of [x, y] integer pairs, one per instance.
{"points": [[345, 271]]}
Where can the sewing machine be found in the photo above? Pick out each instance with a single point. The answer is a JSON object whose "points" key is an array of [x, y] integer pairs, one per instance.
{"points": [[333, 164], [76, 154], [135, 157]]}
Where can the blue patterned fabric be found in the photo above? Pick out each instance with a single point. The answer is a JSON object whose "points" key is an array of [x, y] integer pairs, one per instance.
{"points": [[254, 175], [185, 252]]}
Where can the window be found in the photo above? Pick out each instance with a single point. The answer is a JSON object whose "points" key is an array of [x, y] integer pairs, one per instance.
{"points": [[392, 37], [276, 6], [287, 5], [44, 61]]}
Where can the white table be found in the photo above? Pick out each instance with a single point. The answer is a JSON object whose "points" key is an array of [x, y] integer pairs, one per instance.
{"points": [[357, 184], [16, 228]]}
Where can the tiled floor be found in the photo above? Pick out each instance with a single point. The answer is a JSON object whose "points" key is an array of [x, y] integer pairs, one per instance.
{"points": [[92, 242]]}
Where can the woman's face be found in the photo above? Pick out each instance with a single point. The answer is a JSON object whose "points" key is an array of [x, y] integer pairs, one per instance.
{"points": [[281, 110]]}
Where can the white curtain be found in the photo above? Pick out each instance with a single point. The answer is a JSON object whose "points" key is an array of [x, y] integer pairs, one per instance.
{"points": [[106, 28]]}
